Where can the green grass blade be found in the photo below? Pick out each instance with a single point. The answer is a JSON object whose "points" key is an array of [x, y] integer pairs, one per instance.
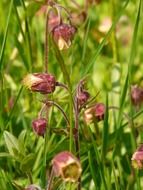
{"points": [[97, 52], [5, 35], [105, 132], [14, 106]]}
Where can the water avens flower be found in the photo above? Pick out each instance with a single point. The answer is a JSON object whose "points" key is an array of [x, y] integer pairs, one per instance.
{"points": [[136, 95], [95, 112], [63, 35], [33, 187], [66, 166], [83, 97], [40, 82], [39, 126], [137, 158]]}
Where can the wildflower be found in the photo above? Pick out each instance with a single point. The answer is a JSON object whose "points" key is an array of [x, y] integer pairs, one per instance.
{"points": [[105, 25], [81, 94], [137, 158], [33, 187], [63, 35], [83, 97], [136, 95], [95, 112], [40, 82], [39, 126], [66, 166]]}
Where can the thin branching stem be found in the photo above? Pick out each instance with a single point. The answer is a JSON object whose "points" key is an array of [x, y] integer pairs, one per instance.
{"points": [[49, 103]]}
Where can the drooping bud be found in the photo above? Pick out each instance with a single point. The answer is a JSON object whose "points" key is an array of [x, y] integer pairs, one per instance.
{"points": [[137, 158], [136, 95], [83, 97], [40, 82], [39, 126], [63, 35], [33, 187], [95, 112], [66, 166], [81, 94]]}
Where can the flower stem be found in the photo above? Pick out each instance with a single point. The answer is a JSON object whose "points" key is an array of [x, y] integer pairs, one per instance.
{"points": [[50, 180], [46, 44], [76, 136]]}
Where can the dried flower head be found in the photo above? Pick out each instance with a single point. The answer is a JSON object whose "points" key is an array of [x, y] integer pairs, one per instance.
{"points": [[136, 95], [137, 158], [40, 82], [95, 112], [33, 187], [66, 166], [63, 35], [39, 126]]}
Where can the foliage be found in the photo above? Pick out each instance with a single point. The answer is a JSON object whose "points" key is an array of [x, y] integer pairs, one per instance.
{"points": [[110, 63]]}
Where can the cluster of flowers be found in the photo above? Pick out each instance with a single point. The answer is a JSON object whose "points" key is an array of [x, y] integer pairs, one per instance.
{"points": [[64, 164]]}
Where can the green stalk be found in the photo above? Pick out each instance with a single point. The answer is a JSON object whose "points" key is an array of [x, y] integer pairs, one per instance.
{"points": [[5, 34], [113, 6]]}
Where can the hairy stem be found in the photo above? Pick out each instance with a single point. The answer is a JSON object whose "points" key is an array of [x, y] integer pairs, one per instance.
{"points": [[50, 180], [46, 44]]}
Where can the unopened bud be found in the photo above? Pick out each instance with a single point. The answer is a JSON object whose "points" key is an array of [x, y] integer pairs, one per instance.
{"points": [[95, 112], [136, 95], [66, 166], [137, 158], [33, 187], [40, 82], [39, 126], [63, 35], [83, 97]]}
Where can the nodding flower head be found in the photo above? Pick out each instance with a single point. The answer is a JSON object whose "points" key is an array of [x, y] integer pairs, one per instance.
{"points": [[83, 97], [63, 35], [39, 126], [66, 166], [81, 94], [95, 112], [32, 187], [136, 95], [40, 82], [137, 158]]}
